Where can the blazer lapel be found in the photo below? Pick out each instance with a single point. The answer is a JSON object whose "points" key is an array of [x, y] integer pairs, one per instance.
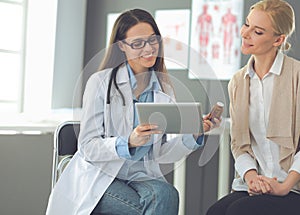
{"points": [[280, 119], [241, 105]]}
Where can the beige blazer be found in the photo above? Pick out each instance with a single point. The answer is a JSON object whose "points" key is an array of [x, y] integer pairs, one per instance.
{"points": [[284, 119]]}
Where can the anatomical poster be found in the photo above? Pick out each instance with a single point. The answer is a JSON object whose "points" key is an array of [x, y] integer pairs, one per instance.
{"points": [[215, 39], [174, 28]]}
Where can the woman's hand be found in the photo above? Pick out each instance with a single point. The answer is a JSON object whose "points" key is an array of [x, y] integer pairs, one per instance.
{"points": [[252, 182], [264, 185], [276, 188], [256, 186], [142, 134], [208, 124], [281, 189]]}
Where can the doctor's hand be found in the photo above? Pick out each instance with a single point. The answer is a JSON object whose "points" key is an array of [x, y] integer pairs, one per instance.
{"points": [[142, 134], [208, 124]]}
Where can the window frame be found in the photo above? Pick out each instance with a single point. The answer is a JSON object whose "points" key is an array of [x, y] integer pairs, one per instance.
{"points": [[21, 56]]}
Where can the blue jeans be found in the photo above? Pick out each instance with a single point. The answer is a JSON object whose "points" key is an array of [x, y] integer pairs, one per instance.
{"points": [[152, 197]]}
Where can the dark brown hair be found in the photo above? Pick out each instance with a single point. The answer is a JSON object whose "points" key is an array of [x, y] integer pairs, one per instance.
{"points": [[114, 57]]}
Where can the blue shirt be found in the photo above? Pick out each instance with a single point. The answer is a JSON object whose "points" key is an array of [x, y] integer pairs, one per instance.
{"points": [[146, 96], [133, 168]]}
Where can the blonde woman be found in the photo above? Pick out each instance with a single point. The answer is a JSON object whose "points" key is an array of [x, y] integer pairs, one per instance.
{"points": [[265, 114]]}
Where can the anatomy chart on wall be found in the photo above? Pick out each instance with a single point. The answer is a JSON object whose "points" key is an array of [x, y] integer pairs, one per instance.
{"points": [[174, 28], [215, 39]]}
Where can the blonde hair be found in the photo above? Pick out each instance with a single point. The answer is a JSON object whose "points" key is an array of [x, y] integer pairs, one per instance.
{"points": [[282, 17]]}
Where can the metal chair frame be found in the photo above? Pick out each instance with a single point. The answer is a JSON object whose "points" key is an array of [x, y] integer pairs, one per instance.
{"points": [[65, 146]]}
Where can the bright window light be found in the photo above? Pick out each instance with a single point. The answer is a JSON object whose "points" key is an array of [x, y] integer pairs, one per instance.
{"points": [[39, 56], [11, 16], [27, 44], [10, 77], [11, 55]]}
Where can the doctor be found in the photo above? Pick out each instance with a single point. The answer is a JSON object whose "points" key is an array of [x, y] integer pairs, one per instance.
{"points": [[116, 168]]}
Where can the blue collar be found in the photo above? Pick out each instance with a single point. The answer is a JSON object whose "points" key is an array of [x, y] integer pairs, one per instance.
{"points": [[153, 85]]}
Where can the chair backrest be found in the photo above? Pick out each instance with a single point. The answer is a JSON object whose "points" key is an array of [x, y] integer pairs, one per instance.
{"points": [[65, 146]]}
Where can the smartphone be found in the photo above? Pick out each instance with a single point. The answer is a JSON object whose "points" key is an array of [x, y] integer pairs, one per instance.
{"points": [[216, 111]]}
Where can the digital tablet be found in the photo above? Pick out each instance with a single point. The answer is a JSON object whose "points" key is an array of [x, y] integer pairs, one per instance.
{"points": [[176, 118]]}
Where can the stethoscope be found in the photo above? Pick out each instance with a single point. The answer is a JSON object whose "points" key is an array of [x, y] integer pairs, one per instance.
{"points": [[113, 79]]}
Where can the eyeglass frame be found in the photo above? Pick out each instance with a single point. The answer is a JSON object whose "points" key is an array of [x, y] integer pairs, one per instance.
{"points": [[158, 40]]}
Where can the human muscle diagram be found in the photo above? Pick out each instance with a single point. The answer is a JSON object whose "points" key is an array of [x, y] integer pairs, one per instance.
{"points": [[229, 31], [204, 29], [215, 38]]}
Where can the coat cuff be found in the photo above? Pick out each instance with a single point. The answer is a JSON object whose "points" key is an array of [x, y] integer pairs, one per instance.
{"points": [[296, 164], [122, 147], [190, 142], [244, 163]]}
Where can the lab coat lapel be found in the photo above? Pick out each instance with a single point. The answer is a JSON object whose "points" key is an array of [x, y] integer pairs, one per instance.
{"points": [[121, 116]]}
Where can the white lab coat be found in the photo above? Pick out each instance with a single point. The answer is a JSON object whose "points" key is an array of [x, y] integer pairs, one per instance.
{"points": [[96, 163]]}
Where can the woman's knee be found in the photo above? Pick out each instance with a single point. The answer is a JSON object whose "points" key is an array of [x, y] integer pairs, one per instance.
{"points": [[161, 193], [165, 193], [169, 192], [216, 209]]}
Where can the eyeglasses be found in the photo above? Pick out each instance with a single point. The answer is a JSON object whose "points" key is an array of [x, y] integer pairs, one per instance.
{"points": [[139, 44]]}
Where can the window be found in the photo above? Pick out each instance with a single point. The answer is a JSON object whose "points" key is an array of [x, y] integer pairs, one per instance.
{"points": [[12, 25], [27, 44]]}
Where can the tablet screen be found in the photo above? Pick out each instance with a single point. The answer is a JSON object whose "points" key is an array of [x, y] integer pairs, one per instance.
{"points": [[176, 118]]}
